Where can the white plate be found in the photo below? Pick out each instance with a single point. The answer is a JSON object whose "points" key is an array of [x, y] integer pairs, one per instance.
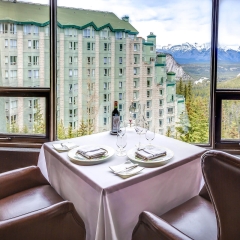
{"points": [[81, 160], [156, 162]]}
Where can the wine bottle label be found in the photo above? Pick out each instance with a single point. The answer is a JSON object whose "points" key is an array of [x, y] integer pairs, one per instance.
{"points": [[115, 122]]}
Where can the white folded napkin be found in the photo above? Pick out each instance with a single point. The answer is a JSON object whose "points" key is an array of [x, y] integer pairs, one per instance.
{"points": [[65, 146], [126, 170], [148, 154], [91, 151]]}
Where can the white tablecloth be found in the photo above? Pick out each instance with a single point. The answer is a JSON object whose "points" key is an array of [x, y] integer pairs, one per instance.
{"points": [[110, 205]]}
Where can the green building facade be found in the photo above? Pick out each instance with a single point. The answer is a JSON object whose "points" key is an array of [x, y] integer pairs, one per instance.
{"points": [[100, 59]]}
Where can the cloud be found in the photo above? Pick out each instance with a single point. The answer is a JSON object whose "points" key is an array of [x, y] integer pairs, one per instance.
{"points": [[174, 22]]}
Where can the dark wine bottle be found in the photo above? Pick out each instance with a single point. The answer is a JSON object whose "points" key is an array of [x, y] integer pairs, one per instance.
{"points": [[115, 118]]}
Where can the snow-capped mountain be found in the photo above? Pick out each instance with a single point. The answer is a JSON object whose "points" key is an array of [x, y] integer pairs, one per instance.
{"points": [[173, 66], [189, 53]]}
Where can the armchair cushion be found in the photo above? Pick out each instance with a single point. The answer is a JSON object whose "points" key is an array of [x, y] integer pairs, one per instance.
{"points": [[195, 218]]}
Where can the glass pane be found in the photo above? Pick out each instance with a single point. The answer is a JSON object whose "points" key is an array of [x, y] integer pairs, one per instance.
{"points": [[230, 128], [24, 44], [22, 115], [150, 53], [229, 45]]}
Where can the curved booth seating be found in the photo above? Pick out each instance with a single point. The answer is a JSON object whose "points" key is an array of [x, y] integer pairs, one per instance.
{"points": [[213, 214], [31, 209]]}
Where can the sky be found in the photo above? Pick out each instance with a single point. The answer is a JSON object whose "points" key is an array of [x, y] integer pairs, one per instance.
{"points": [[174, 22]]}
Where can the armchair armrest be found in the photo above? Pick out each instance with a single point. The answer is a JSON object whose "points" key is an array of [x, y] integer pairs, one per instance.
{"points": [[19, 180], [151, 226], [59, 221]]}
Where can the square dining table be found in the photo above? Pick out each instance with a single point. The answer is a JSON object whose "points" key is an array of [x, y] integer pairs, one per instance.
{"points": [[110, 205]]}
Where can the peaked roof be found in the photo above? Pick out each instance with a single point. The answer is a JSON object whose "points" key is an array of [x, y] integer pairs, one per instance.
{"points": [[28, 13]]}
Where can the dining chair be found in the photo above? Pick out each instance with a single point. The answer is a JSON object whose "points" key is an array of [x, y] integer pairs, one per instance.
{"points": [[213, 214], [31, 209]]}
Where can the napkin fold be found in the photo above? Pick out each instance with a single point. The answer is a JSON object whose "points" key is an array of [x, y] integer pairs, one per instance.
{"points": [[148, 154], [65, 146], [91, 151]]}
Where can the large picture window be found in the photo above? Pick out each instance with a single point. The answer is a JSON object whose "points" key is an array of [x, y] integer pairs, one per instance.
{"points": [[183, 53]]}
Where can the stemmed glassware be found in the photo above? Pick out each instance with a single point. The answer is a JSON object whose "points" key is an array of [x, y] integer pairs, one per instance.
{"points": [[139, 129], [121, 130], [121, 143], [150, 135]]}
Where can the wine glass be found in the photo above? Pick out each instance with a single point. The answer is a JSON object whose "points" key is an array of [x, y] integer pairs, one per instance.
{"points": [[121, 130], [121, 143], [150, 135], [138, 128]]}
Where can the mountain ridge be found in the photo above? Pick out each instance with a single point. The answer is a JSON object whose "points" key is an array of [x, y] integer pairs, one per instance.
{"points": [[189, 53]]}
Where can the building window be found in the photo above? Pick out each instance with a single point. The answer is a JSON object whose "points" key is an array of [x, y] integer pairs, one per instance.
{"points": [[105, 46], [120, 47], [105, 86], [93, 47], [6, 43], [88, 46], [119, 35], [29, 43], [13, 60], [75, 73], [70, 72], [35, 60], [105, 109], [120, 60], [120, 96], [120, 71], [104, 121], [120, 85], [35, 44], [86, 33], [170, 110], [105, 60], [75, 45]]}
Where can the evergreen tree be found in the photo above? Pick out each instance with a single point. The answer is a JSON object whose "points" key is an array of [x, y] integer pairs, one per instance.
{"points": [[61, 131], [39, 124], [185, 93], [82, 130], [168, 133], [70, 132], [180, 88], [25, 129]]}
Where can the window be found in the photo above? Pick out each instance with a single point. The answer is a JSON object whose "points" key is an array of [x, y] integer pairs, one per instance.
{"points": [[120, 60], [29, 60], [6, 60], [120, 96], [75, 60], [13, 43], [88, 60], [93, 72], [86, 33], [105, 46], [120, 106], [13, 60], [75, 72], [13, 74], [105, 60], [135, 71], [120, 71], [6, 43], [36, 74], [29, 43], [75, 45], [70, 88], [70, 72], [35, 44], [70, 60], [105, 109], [70, 44], [120, 47], [119, 35], [93, 47], [27, 29], [105, 71], [104, 97], [35, 30], [105, 86], [35, 60], [105, 121], [120, 85]]}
